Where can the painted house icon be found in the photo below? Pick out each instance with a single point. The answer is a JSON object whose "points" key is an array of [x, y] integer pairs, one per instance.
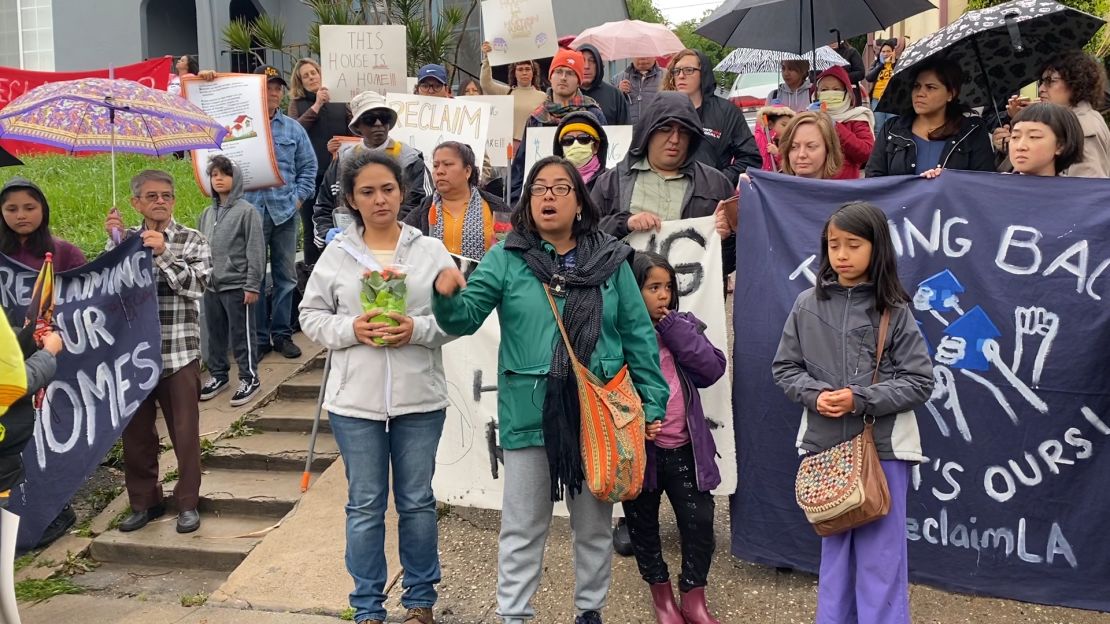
{"points": [[241, 127]]}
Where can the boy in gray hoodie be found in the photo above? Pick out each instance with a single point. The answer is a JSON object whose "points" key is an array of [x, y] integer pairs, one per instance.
{"points": [[233, 228]]}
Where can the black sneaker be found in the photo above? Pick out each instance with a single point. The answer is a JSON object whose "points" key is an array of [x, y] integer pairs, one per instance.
{"points": [[286, 347], [212, 387], [246, 392], [589, 617]]}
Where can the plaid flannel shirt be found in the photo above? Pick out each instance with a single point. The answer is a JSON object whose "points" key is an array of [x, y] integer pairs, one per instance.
{"points": [[297, 162], [182, 270]]}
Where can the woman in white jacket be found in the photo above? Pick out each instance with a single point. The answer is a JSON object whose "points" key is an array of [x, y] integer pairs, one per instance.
{"points": [[385, 402]]}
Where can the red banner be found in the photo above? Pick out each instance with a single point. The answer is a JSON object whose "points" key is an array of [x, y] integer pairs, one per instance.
{"points": [[14, 82]]}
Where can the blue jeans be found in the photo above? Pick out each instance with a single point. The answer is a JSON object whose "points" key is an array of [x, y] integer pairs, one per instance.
{"points": [[276, 318], [368, 450], [880, 118]]}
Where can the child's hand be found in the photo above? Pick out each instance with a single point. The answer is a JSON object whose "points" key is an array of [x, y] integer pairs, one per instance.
{"points": [[52, 342], [652, 429]]}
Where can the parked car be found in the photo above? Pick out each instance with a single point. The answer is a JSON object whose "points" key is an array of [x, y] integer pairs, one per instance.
{"points": [[749, 93]]}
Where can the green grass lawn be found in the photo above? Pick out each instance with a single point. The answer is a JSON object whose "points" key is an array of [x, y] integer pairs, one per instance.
{"points": [[79, 190]]}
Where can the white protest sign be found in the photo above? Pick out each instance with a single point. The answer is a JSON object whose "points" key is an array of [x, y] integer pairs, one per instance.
{"points": [[539, 142], [469, 469], [519, 30], [424, 122], [238, 102], [500, 135], [363, 58]]}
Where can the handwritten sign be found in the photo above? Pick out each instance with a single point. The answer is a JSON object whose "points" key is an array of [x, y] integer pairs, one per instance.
{"points": [[363, 58], [469, 459], [1011, 299], [500, 135], [539, 143], [425, 122], [107, 316], [238, 101], [519, 30]]}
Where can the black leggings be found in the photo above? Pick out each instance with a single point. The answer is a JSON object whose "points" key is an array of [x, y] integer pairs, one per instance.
{"points": [[311, 251], [693, 509]]}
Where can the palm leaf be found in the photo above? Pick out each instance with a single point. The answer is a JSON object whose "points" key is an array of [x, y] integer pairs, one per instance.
{"points": [[269, 31], [238, 37]]}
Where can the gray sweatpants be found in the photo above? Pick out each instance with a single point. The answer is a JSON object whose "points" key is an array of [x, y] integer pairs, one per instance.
{"points": [[228, 323], [525, 519]]}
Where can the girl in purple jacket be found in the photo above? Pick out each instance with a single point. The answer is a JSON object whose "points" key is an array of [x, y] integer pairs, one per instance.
{"points": [[681, 461]]}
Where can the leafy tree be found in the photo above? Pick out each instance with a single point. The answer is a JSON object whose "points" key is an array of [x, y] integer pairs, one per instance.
{"points": [[713, 50], [645, 11]]}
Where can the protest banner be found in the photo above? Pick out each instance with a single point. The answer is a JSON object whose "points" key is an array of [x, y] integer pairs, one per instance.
{"points": [[519, 30], [238, 101], [500, 134], [468, 462], [1010, 299], [424, 122], [539, 142], [14, 82], [363, 58], [107, 315]]}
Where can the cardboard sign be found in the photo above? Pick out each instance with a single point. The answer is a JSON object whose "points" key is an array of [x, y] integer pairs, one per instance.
{"points": [[540, 142], [363, 58], [424, 122], [519, 30], [500, 135]]}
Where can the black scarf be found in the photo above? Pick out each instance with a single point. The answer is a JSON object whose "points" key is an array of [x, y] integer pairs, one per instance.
{"points": [[597, 257]]}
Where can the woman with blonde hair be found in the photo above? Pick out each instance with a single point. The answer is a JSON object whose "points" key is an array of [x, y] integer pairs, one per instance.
{"points": [[525, 85], [310, 104], [810, 147]]}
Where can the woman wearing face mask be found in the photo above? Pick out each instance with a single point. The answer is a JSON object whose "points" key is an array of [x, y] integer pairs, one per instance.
{"points": [[525, 85], [581, 140], [855, 125]]}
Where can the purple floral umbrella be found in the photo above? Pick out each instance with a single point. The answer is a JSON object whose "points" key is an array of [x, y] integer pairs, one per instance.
{"points": [[105, 115]]}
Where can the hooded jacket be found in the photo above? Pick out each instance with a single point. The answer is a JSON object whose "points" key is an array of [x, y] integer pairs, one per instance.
{"points": [[369, 382], [895, 153], [584, 103], [603, 142], [416, 179], [66, 255], [644, 87], [235, 237], [613, 103], [613, 191], [831, 344], [729, 145], [854, 126], [40, 366], [764, 135]]}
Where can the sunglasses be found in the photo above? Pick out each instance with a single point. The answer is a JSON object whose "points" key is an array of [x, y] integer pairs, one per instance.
{"points": [[583, 139], [372, 118]]}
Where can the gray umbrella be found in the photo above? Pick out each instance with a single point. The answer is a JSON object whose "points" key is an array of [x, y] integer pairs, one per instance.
{"points": [[795, 25], [1000, 50]]}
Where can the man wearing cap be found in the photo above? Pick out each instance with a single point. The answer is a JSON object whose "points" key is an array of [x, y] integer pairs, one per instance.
{"points": [[563, 98], [432, 82], [371, 119]]}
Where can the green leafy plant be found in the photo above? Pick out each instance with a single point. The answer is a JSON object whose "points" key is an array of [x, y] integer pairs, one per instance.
{"points": [[171, 475], [25, 561], [76, 563], [384, 291], [120, 517], [114, 458], [239, 429], [194, 600], [207, 447], [85, 528], [347, 615], [37, 590]]}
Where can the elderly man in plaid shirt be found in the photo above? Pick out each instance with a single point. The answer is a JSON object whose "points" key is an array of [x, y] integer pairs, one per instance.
{"points": [[280, 207], [182, 261]]}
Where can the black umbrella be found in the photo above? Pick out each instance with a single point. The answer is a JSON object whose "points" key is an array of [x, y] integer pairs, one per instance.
{"points": [[7, 160], [793, 25], [1000, 50]]}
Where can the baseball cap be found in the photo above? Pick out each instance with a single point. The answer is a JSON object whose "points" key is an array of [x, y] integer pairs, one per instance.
{"points": [[439, 72], [272, 74]]}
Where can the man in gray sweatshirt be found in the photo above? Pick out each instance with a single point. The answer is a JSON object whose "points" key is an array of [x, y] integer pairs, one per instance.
{"points": [[233, 228]]}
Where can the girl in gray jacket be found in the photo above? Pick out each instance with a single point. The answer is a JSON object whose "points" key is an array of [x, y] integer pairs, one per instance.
{"points": [[825, 361]]}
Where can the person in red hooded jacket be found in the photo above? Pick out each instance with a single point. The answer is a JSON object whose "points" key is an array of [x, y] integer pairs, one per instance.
{"points": [[855, 124]]}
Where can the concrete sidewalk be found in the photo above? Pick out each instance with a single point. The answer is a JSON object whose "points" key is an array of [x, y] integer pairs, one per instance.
{"points": [[100, 610]]}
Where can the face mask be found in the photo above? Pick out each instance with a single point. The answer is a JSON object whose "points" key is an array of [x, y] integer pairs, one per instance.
{"points": [[578, 154], [831, 98]]}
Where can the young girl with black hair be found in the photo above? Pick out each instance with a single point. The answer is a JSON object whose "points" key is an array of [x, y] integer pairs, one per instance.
{"points": [[25, 229], [825, 361], [681, 459]]}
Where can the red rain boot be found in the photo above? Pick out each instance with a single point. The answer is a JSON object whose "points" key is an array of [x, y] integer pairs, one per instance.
{"points": [[662, 598], [694, 608]]}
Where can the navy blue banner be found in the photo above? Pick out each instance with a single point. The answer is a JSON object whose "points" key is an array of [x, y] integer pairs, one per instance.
{"points": [[107, 315], [1010, 288]]}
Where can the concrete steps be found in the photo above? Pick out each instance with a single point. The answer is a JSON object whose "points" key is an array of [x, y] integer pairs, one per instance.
{"points": [[218, 544], [304, 385], [259, 493], [290, 415], [276, 450]]}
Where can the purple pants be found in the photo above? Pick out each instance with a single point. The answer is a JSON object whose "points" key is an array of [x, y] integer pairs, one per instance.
{"points": [[865, 572]]}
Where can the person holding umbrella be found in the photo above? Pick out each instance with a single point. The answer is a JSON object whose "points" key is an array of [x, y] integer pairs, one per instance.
{"points": [[936, 132], [1075, 80]]}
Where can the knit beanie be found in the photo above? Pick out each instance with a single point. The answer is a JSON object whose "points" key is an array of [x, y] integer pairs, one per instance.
{"points": [[571, 59]]}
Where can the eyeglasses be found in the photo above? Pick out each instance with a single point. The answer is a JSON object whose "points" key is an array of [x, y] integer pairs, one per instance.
{"points": [[583, 139], [1048, 81], [685, 71], [563, 72], [429, 87], [373, 117], [669, 129], [560, 190], [152, 198]]}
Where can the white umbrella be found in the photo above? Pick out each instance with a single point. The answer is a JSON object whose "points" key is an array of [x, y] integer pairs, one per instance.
{"points": [[751, 60]]}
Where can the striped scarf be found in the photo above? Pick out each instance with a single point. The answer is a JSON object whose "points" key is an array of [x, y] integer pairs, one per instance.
{"points": [[474, 224]]}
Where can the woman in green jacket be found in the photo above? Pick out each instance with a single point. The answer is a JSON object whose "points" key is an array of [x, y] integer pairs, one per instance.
{"points": [[555, 241]]}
